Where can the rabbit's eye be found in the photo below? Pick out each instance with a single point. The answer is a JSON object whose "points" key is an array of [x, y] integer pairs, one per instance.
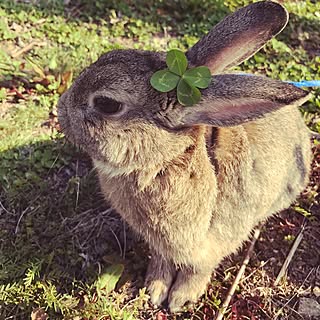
{"points": [[106, 105]]}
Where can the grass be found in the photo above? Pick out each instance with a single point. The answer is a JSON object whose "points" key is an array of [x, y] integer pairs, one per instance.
{"points": [[62, 248]]}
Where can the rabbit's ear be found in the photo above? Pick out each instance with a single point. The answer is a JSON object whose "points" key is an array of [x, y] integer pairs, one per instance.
{"points": [[233, 99], [238, 36]]}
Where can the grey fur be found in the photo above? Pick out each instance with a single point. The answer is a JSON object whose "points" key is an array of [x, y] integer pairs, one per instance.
{"points": [[245, 31], [193, 182]]}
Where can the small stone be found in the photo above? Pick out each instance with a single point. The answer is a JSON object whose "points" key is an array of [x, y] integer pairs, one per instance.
{"points": [[316, 291], [309, 307], [39, 314]]}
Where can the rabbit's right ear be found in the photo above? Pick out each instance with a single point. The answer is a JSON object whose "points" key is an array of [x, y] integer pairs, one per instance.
{"points": [[233, 99], [238, 36]]}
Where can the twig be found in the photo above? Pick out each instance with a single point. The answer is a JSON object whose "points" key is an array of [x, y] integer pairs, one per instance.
{"points": [[118, 242], [4, 209], [22, 215], [314, 135], [287, 303], [124, 240], [27, 48], [78, 184], [19, 220], [290, 256], [254, 271], [239, 275]]}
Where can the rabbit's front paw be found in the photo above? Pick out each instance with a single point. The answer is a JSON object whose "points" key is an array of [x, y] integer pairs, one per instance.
{"points": [[188, 287], [159, 278], [158, 291]]}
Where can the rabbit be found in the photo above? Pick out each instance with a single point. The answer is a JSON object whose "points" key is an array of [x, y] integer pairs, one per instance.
{"points": [[192, 181]]}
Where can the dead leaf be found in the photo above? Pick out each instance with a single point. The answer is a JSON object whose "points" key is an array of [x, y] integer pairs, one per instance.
{"points": [[39, 314], [161, 316]]}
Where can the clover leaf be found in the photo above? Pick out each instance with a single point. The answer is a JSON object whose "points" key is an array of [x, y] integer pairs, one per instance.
{"points": [[164, 80], [177, 76], [188, 95], [199, 77], [177, 62]]}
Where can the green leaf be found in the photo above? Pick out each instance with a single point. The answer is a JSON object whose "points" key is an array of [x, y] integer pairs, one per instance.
{"points": [[199, 77], [164, 80], [108, 279], [177, 62], [53, 63], [187, 95]]}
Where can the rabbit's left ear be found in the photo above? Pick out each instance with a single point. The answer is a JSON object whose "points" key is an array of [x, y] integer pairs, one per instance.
{"points": [[233, 99], [238, 36]]}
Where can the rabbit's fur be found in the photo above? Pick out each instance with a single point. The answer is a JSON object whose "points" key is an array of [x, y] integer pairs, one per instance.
{"points": [[193, 182]]}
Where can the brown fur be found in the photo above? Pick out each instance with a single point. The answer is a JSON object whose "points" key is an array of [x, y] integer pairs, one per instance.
{"points": [[193, 182], [265, 20]]}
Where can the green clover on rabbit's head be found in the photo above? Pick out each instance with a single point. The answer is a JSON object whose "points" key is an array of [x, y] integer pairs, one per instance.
{"points": [[187, 81]]}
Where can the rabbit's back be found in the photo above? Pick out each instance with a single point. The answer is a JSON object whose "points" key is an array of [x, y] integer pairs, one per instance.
{"points": [[262, 167]]}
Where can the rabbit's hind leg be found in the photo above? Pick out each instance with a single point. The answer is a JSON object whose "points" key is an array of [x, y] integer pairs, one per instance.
{"points": [[188, 287], [160, 275]]}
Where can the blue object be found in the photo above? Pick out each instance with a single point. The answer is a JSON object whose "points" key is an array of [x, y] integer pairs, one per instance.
{"points": [[299, 84], [304, 83]]}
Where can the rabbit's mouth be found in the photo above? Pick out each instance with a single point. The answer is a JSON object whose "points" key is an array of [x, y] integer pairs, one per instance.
{"points": [[64, 122], [69, 125], [77, 130]]}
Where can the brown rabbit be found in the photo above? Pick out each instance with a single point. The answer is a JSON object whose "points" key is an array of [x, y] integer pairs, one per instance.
{"points": [[192, 181]]}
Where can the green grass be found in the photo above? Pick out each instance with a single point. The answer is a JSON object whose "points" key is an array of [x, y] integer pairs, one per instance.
{"points": [[56, 233]]}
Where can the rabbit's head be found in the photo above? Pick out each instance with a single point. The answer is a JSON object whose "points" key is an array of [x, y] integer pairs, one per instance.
{"points": [[114, 113]]}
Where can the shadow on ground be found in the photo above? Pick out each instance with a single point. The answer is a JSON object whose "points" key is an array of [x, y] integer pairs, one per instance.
{"points": [[186, 16], [53, 215], [182, 17]]}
